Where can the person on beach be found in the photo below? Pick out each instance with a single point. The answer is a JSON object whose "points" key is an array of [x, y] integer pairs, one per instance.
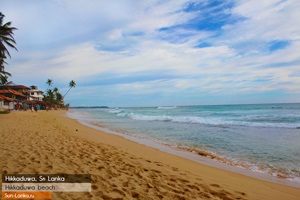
{"points": [[25, 107], [17, 106], [32, 108]]}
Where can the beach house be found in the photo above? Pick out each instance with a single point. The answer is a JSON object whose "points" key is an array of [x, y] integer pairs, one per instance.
{"points": [[6, 103], [20, 88], [19, 92], [13, 94], [35, 93]]}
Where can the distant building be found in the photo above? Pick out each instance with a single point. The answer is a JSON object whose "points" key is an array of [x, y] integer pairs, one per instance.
{"points": [[13, 94], [20, 88], [20, 93], [6, 103], [35, 93]]}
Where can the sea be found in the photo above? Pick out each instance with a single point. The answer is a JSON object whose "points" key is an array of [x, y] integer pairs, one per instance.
{"points": [[262, 138]]}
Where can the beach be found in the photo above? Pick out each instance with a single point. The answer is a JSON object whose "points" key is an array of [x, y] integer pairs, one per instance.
{"points": [[51, 143]]}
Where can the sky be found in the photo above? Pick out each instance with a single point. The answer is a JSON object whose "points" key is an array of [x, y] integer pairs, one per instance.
{"points": [[158, 53]]}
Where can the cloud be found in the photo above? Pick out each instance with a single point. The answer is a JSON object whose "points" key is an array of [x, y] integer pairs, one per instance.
{"points": [[156, 47], [264, 22]]}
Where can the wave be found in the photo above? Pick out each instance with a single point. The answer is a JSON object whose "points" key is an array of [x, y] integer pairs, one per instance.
{"points": [[206, 120], [166, 107], [267, 166], [114, 111]]}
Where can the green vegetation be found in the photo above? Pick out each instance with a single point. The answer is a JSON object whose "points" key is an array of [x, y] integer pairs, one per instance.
{"points": [[5, 112], [49, 83], [6, 39], [54, 97]]}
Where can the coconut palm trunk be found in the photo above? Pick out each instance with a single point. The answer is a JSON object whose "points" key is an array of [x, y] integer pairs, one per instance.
{"points": [[71, 85], [4, 76]]}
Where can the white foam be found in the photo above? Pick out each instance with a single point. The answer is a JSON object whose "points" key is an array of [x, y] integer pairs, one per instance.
{"points": [[166, 107], [296, 180], [251, 170], [200, 120], [114, 111], [205, 120]]}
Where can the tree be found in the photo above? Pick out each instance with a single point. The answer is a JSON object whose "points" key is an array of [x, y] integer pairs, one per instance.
{"points": [[49, 83], [58, 95], [3, 76], [6, 39], [49, 96], [55, 90], [53, 97], [71, 85]]}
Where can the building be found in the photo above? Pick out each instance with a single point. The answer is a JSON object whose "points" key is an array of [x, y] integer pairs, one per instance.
{"points": [[15, 91], [20, 88], [13, 94], [6, 103], [35, 93]]}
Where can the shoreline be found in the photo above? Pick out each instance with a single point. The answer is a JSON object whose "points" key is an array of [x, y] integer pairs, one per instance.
{"points": [[51, 143], [192, 156]]}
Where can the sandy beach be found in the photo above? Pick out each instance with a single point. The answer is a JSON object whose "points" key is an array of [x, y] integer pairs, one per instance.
{"points": [[50, 143]]}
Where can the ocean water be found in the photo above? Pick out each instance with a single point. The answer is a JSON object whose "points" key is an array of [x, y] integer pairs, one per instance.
{"points": [[263, 138]]}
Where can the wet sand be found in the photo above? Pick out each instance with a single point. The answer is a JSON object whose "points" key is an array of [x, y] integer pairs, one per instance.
{"points": [[50, 143]]}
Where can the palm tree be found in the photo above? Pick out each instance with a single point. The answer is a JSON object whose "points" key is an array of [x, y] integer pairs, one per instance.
{"points": [[6, 37], [2, 62], [4, 76], [71, 85], [59, 97], [55, 90], [49, 96], [49, 83], [57, 94]]}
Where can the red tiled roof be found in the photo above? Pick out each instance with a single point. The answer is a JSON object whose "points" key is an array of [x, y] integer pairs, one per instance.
{"points": [[12, 92], [5, 98], [15, 86]]}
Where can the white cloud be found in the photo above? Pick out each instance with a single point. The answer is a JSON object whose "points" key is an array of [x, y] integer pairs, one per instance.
{"points": [[264, 21], [83, 40]]}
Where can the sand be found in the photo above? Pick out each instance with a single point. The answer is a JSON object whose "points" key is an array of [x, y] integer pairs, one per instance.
{"points": [[50, 143]]}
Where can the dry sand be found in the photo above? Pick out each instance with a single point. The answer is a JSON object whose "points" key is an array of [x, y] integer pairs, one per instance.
{"points": [[48, 142]]}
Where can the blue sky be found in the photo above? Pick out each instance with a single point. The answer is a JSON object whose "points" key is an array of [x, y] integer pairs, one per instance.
{"points": [[154, 53]]}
